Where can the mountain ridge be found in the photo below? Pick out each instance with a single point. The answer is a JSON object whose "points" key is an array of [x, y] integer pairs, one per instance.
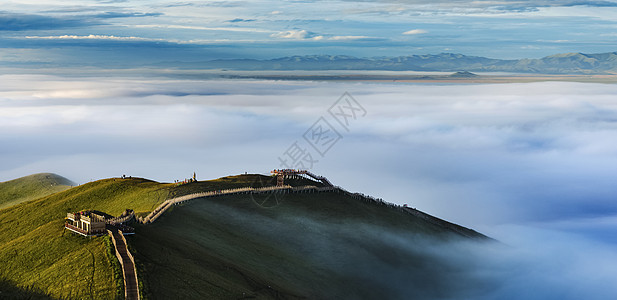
{"points": [[564, 63]]}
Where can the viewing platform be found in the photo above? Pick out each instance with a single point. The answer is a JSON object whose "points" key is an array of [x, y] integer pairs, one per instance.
{"points": [[90, 223], [281, 174], [86, 223]]}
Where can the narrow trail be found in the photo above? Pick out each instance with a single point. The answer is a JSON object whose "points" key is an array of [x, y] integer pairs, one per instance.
{"points": [[131, 287]]}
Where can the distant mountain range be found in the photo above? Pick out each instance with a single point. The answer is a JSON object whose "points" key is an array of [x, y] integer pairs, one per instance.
{"points": [[568, 63]]}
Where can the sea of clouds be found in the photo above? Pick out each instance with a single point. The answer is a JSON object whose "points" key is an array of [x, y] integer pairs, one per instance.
{"points": [[533, 165]]}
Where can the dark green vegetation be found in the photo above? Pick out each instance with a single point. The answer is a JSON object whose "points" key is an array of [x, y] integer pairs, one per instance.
{"points": [[31, 187], [321, 245], [9, 291], [315, 246]]}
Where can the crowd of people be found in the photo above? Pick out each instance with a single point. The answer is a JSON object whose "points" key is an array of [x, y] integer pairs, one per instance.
{"points": [[186, 180]]}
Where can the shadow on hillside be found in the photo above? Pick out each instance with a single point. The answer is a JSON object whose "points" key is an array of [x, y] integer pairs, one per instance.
{"points": [[309, 246], [10, 291]]}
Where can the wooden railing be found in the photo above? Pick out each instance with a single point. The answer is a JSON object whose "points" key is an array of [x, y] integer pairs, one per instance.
{"points": [[323, 179], [163, 207], [156, 213], [75, 228], [121, 219], [82, 231], [131, 290]]}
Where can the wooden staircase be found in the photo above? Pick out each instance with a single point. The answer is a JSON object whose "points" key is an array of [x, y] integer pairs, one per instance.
{"points": [[131, 287]]}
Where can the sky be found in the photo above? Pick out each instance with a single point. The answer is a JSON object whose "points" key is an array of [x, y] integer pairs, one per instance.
{"points": [[120, 33], [530, 164]]}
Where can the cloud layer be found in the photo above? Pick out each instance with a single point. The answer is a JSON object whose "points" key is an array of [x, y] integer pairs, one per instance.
{"points": [[534, 152], [532, 165]]}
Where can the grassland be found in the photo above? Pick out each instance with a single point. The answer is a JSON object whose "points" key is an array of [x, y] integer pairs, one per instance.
{"points": [[31, 187]]}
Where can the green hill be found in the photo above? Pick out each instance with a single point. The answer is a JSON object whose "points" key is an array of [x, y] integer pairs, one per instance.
{"points": [[38, 255], [31, 187], [319, 245], [309, 246]]}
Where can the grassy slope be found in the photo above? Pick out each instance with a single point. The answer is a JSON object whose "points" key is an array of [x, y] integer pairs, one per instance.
{"points": [[37, 254], [325, 246], [31, 187]]}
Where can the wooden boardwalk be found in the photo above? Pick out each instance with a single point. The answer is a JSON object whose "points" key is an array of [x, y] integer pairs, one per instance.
{"points": [[156, 213], [131, 287]]}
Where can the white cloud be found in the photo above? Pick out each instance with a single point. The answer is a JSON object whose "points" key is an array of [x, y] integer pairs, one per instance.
{"points": [[297, 35], [541, 264], [530, 47], [304, 35], [232, 29], [142, 39], [415, 31], [92, 37], [348, 37]]}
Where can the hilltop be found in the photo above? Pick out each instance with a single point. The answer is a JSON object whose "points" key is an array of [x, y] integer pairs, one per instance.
{"points": [[272, 245], [31, 187]]}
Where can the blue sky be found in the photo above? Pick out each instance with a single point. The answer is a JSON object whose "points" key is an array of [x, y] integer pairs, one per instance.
{"points": [[142, 32]]}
